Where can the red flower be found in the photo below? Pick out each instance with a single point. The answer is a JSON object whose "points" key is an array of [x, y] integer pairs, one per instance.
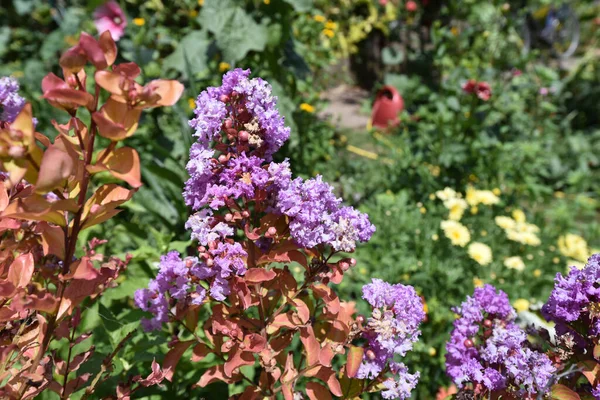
{"points": [[469, 86], [411, 6], [483, 91]]}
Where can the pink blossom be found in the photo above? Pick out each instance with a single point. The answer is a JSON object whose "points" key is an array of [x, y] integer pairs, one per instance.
{"points": [[544, 91], [110, 17], [469, 86], [483, 91], [411, 6]]}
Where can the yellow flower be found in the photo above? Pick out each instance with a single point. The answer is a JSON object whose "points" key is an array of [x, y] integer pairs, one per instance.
{"points": [[331, 25], [405, 277], [432, 352], [454, 31], [521, 305], [556, 260], [458, 234], [475, 197], [362, 270], [434, 170], [319, 18], [446, 194], [193, 13], [477, 282], [423, 210], [457, 207], [518, 215], [480, 252], [431, 196], [200, 3], [573, 246], [505, 222], [559, 195], [435, 237], [139, 21], [329, 33], [496, 191], [537, 273], [307, 107], [483, 233], [529, 257], [267, 2], [223, 66], [192, 103], [515, 262], [474, 210]]}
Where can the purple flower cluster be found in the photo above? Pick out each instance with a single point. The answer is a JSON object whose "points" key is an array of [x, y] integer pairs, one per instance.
{"points": [[391, 330], [487, 348], [574, 297], [231, 175], [173, 278], [250, 99], [10, 101], [316, 216]]}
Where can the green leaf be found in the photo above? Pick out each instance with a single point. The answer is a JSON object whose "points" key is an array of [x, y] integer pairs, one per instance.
{"points": [[235, 30], [190, 55]]}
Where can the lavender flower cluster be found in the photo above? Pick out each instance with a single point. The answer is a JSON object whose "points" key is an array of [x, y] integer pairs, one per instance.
{"points": [[391, 330], [575, 297], [239, 129], [10, 101], [487, 349]]}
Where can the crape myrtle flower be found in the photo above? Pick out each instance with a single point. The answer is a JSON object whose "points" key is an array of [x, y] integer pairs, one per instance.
{"points": [[391, 330], [11, 103], [487, 349], [576, 297]]}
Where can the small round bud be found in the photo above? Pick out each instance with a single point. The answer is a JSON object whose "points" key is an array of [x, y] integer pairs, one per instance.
{"points": [[487, 323], [487, 333], [189, 263], [360, 319], [468, 343], [228, 123], [271, 231], [370, 355], [353, 262], [234, 94], [244, 136], [222, 158], [245, 214], [210, 262], [231, 132], [344, 266], [202, 249], [224, 98], [228, 217]]}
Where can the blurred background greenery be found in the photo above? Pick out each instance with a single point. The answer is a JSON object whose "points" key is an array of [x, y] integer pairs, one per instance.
{"points": [[535, 142]]}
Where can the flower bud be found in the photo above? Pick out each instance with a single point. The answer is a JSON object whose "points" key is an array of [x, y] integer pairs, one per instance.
{"points": [[222, 158], [344, 266], [468, 343], [370, 355], [487, 323], [228, 123], [353, 262], [271, 232], [224, 98], [245, 214], [228, 217], [360, 319], [210, 262], [243, 136], [234, 94]]}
